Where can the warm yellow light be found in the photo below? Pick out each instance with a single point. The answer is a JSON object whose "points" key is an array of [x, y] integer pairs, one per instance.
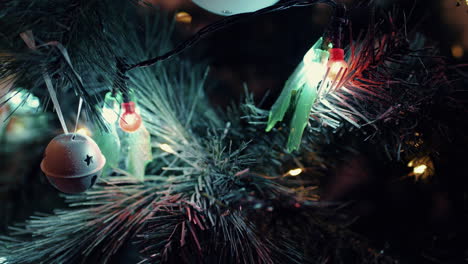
{"points": [[184, 17], [337, 70], [457, 51], [166, 148], [295, 172], [84, 131], [336, 64], [420, 169]]}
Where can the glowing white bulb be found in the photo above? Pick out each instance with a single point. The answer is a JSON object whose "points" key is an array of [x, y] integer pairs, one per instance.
{"points": [[295, 172], [111, 108], [167, 148], [420, 169], [315, 66], [314, 73], [17, 98], [32, 102], [110, 115]]}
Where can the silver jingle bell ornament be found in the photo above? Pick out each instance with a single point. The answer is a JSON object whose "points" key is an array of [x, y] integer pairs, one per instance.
{"points": [[72, 162], [232, 7]]}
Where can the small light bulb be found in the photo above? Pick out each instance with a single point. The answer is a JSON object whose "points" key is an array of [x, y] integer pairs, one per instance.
{"points": [[315, 72], [337, 64], [111, 107], [184, 17], [295, 172], [84, 131], [315, 65], [130, 121], [18, 98], [110, 115], [167, 148], [24, 100], [457, 51], [420, 169]]}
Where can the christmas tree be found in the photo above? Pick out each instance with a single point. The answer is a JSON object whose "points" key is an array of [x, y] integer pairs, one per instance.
{"points": [[295, 131]]}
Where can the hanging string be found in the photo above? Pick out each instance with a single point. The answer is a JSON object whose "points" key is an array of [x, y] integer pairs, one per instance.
{"points": [[78, 114], [28, 38], [65, 55], [53, 96]]}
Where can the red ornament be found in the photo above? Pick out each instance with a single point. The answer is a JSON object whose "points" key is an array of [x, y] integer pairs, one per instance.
{"points": [[130, 121], [337, 64]]}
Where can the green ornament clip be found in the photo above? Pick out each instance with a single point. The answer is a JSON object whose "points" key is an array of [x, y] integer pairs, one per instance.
{"points": [[109, 141], [300, 93]]}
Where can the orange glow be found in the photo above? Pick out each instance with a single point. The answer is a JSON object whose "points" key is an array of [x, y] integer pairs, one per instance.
{"points": [[420, 169], [184, 17], [423, 168], [84, 131], [455, 19], [337, 64], [130, 121], [457, 51], [337, 69]]}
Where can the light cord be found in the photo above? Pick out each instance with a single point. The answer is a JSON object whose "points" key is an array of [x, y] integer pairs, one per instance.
{"points": [[225, 22]]}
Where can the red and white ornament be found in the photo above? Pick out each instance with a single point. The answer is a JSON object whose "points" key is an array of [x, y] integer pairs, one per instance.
{"points": [[130, 121], [338, 66]]}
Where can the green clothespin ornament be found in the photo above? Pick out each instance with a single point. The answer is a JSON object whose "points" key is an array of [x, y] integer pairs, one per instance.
{"points": [[109, 141], [138, 139], [300, 93], [139, 152]]}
